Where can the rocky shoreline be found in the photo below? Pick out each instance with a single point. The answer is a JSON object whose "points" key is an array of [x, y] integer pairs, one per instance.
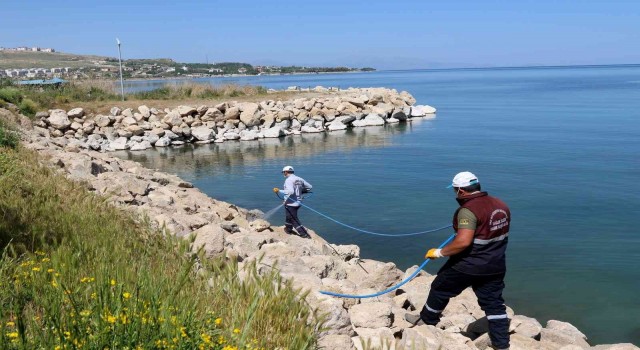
{"points": [[144, 128], [224, 229]]}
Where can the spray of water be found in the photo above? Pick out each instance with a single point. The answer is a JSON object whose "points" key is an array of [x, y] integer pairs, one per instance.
{"points": [[270, 213]]}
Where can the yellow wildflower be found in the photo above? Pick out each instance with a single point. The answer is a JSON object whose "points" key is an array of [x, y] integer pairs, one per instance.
{"points": [[46, 260], [11, 324], [206, 338], [36, 268], [67, 334], [94, 295], [12, 335], [218, 321], [50, 270], [85, 313], [126, 295], [236, 331], [111, 319], [113, 282], [54, 284]]}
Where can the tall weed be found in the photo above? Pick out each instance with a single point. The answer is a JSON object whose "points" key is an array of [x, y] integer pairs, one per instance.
{"points": [[76, 272]]}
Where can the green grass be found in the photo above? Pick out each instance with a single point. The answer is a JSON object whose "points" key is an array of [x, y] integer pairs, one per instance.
{"points": [[192, 90], [8, 137], [30, 99], [76, 272]]}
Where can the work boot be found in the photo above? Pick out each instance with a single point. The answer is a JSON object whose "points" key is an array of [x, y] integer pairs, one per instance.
{"points": [[289, 231], [415, 320], [302, 232]]}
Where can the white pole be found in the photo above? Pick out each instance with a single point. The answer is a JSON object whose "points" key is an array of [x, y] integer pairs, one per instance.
{"points": [[120, 60]]}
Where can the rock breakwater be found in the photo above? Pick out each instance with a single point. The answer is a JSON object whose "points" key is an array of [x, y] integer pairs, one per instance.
{"points": [[225, 230], [140, 129]]}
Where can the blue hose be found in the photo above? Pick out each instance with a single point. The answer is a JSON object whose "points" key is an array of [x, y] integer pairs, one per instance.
{"points": [[414, 274], [365, 231]]}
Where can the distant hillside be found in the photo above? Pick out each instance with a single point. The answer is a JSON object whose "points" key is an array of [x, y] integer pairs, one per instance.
{"points": [[101, 67], [29, 59]]}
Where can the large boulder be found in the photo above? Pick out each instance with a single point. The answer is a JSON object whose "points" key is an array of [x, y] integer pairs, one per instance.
{"points": [[172, 119], [202, 133], [249, 114], [371, 315], [210, 238], [185, 110], [103, 120], [58, 119], [76, 113], [144, 111], [273, 132], [232, 113]]}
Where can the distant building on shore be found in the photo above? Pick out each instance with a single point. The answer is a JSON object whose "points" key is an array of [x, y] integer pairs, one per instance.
{"points": [[24, 48]]}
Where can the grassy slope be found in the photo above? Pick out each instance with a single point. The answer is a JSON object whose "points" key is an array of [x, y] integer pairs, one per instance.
{"points": [[30, 59], [79, 272]]}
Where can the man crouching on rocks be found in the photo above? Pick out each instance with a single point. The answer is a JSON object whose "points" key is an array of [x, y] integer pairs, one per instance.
{"points": [[476, 259], [294, 187]]}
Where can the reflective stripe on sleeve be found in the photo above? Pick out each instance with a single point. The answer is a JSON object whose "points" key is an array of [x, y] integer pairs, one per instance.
{"points": [[487, 241]]}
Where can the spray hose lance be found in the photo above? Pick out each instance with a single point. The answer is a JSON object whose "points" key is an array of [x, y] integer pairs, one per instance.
{"points": [[406, 280]]}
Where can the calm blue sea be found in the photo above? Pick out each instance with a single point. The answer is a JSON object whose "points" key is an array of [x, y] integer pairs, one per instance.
{"points": [[560, 145]]}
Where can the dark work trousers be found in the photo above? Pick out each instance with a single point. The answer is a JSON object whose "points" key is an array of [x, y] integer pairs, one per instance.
{"points": [[449, 283], [292, 221]]}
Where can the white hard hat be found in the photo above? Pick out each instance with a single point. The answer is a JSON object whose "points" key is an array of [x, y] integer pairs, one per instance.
{"points": [[464, 179], [288, 168]]}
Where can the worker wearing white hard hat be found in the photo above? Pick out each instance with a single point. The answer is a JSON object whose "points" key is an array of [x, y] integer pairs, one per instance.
{"points": [[476, 258], [294, 188]]}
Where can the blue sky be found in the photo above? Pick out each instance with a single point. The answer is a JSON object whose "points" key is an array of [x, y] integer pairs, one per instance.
{"points": [[383, 34]]}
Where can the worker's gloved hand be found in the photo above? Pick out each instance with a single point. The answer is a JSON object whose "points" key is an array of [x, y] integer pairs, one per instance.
{"points": [[276, 190], [434, 253]]}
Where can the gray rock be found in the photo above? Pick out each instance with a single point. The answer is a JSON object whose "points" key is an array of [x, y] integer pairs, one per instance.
{"points": [[163, 142], [76, 113], [141, 146], [42, 114], [58, 119], [127, 113], [172, 119], [230, 227], [144, 111], [119, 144], [232, 113], [371, 315], [202, 133], [210, 238], [273, 132], [115, 111], [185, 110], [102, 121]]}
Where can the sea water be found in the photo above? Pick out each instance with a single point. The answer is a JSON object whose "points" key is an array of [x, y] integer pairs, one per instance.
{"points": [[559, 145]]}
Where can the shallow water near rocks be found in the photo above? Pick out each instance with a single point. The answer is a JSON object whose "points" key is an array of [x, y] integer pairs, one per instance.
{"points": [[560, 145]]}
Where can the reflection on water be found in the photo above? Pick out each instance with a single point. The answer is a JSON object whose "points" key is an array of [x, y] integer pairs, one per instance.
{"points": [[222, 157]]}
